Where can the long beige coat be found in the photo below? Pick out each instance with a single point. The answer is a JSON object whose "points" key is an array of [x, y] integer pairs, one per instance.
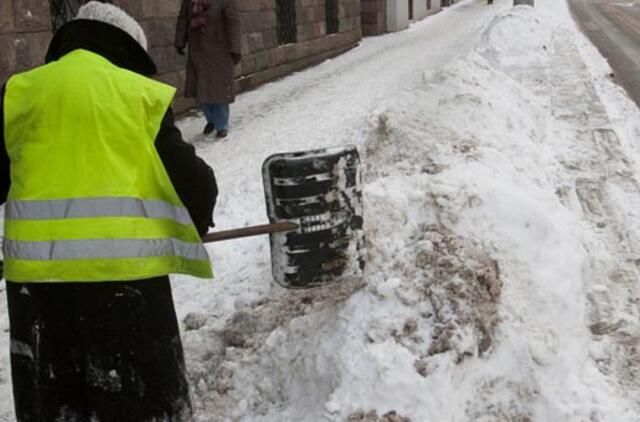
{"points": [[209, 64]]}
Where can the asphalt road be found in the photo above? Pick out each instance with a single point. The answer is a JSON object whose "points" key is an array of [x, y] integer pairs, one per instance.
{"points": [[614, 27]]}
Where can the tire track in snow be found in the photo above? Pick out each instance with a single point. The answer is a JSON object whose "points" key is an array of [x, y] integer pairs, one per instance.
{"points": [[597, 174]]}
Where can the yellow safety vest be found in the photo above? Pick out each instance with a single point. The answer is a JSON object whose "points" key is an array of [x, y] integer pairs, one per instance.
{"points": [[90, 199]]}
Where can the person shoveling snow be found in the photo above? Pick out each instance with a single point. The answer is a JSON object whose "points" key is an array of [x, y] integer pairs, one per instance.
{"points": [[103, 201]]}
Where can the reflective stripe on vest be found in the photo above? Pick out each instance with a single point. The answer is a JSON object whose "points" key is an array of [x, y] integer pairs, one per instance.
{"points": [[94, 207], [90, 199], [103, 248]]}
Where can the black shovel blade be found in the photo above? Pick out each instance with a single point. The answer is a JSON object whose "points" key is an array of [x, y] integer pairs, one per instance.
{"points": [[320, 191]]}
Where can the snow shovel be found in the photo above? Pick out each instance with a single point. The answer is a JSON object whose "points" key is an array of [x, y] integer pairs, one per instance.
{"points": [[314, 204]]}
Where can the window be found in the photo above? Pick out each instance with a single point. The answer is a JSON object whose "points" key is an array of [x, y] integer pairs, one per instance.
{"points": [[331, 16], [286, 14]]}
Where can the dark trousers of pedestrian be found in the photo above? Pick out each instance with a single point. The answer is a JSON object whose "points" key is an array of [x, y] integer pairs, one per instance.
{"points": [[217, 114], [107, 352]]}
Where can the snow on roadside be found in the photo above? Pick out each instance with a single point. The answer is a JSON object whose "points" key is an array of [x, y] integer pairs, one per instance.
{"points": [[473, 305]]}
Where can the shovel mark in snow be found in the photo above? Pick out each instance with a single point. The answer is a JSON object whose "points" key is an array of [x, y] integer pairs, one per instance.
{"points": [[607, 141], [372, 416], [515, 403], [463, 285], [241, 353], [603, 178], [590, 196]]}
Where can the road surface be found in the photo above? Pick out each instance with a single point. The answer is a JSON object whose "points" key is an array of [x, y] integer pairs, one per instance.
{"points": [[614, 27]]}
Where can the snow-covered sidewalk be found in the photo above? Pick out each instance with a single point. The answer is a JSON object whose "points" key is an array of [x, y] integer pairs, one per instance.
{"points": [[502, 213]]}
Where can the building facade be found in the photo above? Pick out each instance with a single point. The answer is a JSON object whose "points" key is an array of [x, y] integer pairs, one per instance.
{"points": [[382, 16], [279, 36]]}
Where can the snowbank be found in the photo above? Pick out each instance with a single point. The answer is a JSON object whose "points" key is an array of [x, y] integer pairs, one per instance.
{"points": [[500, 169], [473, 305]]}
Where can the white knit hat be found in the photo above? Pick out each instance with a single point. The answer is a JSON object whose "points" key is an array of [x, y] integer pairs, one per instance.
{"points": [[113, 15]]}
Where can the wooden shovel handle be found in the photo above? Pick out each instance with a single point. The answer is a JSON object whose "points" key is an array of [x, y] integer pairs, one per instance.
{"points": [[249, 231]]}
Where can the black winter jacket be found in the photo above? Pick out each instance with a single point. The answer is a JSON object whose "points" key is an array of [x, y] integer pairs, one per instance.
{"points": [[192, 178]]}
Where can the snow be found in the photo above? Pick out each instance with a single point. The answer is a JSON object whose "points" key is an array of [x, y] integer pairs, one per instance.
{"points": [[501, 201]]}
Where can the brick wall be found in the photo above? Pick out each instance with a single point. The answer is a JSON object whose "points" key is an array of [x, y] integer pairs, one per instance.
{"points": [[25, 31]]}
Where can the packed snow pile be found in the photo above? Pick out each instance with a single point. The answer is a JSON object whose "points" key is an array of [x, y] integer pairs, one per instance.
{"points": [[473, 306], [516, 38]]}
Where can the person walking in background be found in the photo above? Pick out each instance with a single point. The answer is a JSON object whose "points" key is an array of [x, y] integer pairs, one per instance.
{"points": [[211, 29], [104, 199]]}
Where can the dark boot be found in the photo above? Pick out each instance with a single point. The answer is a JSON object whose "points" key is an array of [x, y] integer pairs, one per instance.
{"points": [[222, 133], [208, 128]]}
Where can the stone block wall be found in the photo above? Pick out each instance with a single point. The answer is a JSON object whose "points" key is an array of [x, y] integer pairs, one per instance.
{"points": [[374, 17], [25, 32], [263, 59], [26, 29]]}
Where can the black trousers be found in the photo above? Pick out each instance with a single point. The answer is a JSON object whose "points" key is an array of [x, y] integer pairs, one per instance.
{"points": [[96, 352]]}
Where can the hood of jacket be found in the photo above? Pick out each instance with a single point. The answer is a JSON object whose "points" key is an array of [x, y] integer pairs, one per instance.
{"points": [[109, 41]]}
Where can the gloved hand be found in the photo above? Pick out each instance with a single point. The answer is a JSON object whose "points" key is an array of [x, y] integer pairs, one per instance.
{"points": [[180, 50], [235, 58]]}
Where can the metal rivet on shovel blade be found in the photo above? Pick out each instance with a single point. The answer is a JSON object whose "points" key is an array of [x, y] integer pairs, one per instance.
{"points": [[321, 192]]}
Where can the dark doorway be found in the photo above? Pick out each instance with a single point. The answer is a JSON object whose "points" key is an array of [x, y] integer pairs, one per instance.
{"points": [[410, 10], [331, 16], [286, 13]]}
